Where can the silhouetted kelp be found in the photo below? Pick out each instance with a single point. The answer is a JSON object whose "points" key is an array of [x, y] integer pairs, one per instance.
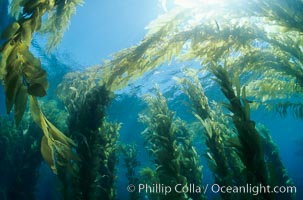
{"points": [[94, 174]]}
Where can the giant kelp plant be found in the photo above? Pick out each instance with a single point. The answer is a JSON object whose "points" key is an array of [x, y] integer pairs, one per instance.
{"points": [[250, 146], [21, 72], [94, 176], [222, 160], [170, 144]]}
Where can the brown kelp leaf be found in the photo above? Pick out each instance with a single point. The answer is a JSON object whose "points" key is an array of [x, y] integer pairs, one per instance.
{"points": [[36, 90], [48, 154], [47, 146], [42, 81], [35, 73], [20, 103]]}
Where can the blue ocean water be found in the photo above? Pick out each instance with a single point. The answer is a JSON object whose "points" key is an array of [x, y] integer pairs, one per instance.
{"points": [[102, 28]]}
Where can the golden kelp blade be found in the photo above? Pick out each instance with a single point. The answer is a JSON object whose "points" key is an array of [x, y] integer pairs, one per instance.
{"points": [[47, 154], [56, 143], [22, 74], [58, 135]]}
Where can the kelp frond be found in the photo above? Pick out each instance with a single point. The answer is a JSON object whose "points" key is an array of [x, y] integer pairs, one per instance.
{"points": [[56, 148], [58, 21], [18, 66], [274, 86], [169, 41], [75, 87], [282, 12], [206, 33], [58, 18], [276, 92], [194, 90], [285, 108], [20, 71]]}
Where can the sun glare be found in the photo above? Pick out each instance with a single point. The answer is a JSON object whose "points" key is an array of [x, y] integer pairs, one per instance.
{"points": [[165, 4], [193, 3]]}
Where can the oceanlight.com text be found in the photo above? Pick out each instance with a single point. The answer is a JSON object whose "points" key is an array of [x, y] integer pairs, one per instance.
{"points": [[253, 189], [213, 188]]}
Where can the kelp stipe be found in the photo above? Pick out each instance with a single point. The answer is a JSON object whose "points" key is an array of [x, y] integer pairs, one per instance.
{"points": [[20, 159], [57, 22], [94, 175], [170, 145], [130, 152]]}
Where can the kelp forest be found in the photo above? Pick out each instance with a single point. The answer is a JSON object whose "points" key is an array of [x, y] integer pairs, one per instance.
{"points": [[233, 58]]}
